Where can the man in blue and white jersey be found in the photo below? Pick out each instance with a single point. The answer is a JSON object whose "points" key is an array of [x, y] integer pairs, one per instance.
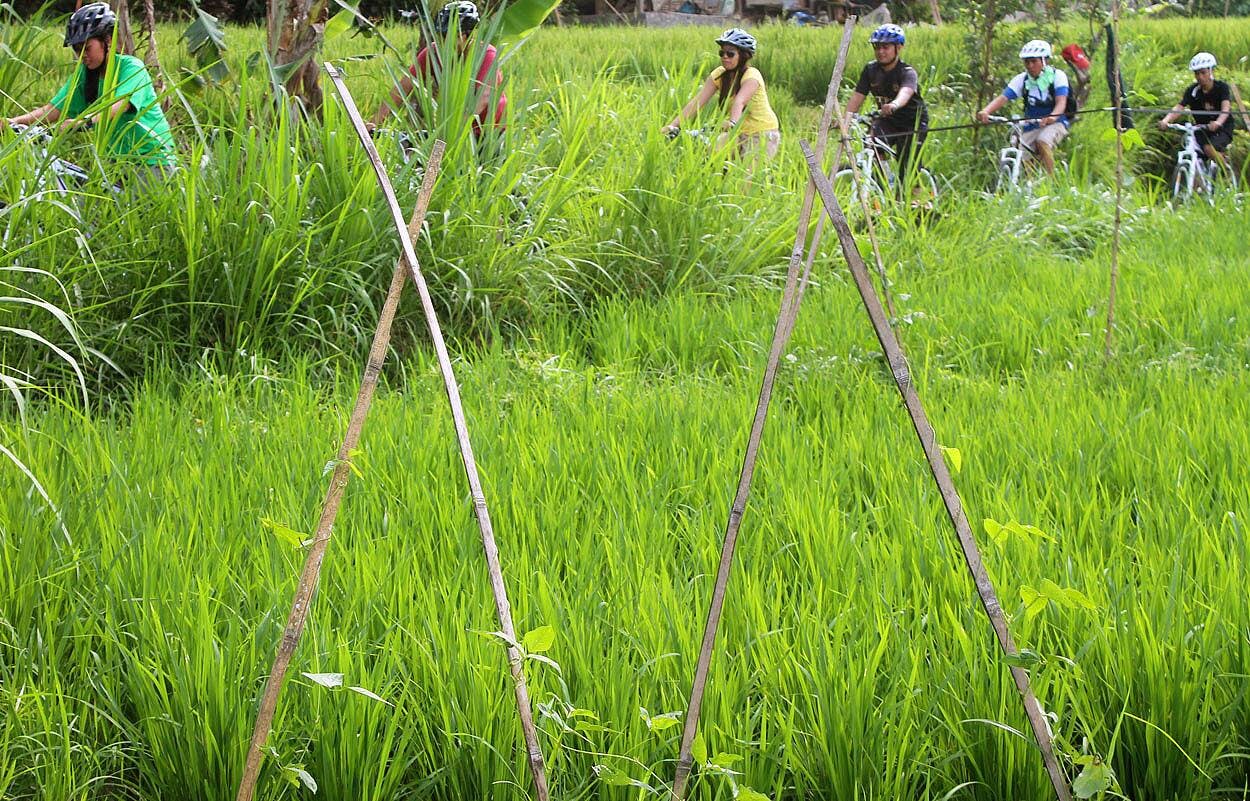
{"points": [[1044, 90]]}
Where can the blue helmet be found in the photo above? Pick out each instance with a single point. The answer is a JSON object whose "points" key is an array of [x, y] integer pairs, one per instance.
{"points": [[888, 34]]}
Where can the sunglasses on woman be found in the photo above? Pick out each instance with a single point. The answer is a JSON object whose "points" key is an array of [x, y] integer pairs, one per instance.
{"points": [[728, 53]]}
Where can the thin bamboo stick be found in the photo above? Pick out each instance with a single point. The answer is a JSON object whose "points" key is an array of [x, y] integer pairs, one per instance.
{"points": [[1245, 115], [839, 69], [334, 495], [780, 333], [1119, 179], [503, 609], [937, 466]]}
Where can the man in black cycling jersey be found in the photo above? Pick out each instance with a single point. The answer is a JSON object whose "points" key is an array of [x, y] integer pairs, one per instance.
{"points": [[903, 119], [1208, 95]]}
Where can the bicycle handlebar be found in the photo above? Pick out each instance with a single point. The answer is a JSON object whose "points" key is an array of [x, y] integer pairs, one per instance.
{"points": [[36, 133]]}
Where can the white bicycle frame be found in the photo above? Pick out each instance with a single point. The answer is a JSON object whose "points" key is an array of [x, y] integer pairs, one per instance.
{"points": [[868, 160], [60, 173], [1190, 164], [1011, 157], [54, 175]]}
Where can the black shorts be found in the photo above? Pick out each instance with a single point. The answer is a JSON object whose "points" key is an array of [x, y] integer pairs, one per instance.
{"points": [[905, 142], [1220, 140]]}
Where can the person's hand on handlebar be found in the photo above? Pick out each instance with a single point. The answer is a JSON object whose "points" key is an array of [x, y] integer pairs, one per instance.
{"points": [[982, 116]]}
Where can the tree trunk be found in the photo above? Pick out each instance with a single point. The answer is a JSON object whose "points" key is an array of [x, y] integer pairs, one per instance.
{"points": [[151, 59], [125, 40], [295, 28], [937, 13]]}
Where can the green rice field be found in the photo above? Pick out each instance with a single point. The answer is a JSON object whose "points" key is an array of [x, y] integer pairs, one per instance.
{"points": [[610, 298]]}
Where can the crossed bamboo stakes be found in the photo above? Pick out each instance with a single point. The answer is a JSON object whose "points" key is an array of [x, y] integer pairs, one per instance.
{"points": [[408, 267]]}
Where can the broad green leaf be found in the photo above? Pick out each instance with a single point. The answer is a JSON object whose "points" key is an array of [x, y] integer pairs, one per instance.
{"points": [[661, 722], [303, 777], [1053, 592], [206, 40], [1025, 659], [539, 640], [1035, 532], [724, 760], [955, 457], [288, 536], [1094, 779], [339, 24], [1034, 601], [522, 17], [747, 794], [612, 776], [1077, 598], [698, 749], [996, 531], [330, 680]]}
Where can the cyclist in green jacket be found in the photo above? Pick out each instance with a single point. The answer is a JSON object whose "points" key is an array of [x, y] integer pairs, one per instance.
{"points": [[112, 91]]}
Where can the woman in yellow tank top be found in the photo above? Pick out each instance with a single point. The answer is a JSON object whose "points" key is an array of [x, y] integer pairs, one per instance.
{"points": [[750, 117]]}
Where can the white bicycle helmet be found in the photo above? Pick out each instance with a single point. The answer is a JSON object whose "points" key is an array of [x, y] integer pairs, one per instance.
{"points": [[1037, 48], [739, 39], [463, 12], [1202, 61]]}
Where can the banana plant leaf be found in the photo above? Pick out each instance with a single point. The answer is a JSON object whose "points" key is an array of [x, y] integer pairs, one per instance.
{"points": [[522, 17], [206, 40]]}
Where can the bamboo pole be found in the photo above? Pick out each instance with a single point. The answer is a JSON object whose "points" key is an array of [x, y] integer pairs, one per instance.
{"points": [[503, 609], [334, 495], [839, 69], [1245, 115], [1119, 178], [937, 466], [868, 219], [789, 308]]}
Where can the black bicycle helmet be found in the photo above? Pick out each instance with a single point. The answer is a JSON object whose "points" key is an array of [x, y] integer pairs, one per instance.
{"points": [[466, 17], [88, 22]]}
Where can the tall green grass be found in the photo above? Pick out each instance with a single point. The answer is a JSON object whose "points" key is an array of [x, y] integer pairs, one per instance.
{"points": [[610, 293], [854, 661], [273, 238]]}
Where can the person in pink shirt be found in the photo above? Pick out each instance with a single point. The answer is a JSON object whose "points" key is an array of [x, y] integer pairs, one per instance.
{"points": [[461, 17]]}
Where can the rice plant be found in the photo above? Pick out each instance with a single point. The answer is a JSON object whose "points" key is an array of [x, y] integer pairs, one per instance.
{"points": [[611, 293]]}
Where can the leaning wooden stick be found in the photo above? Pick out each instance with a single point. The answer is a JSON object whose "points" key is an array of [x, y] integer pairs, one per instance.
{"points": [[780, 333], [856, 183], [839, 69], [1245, 115], [503, 609], [937, 466], [334, 495]]}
